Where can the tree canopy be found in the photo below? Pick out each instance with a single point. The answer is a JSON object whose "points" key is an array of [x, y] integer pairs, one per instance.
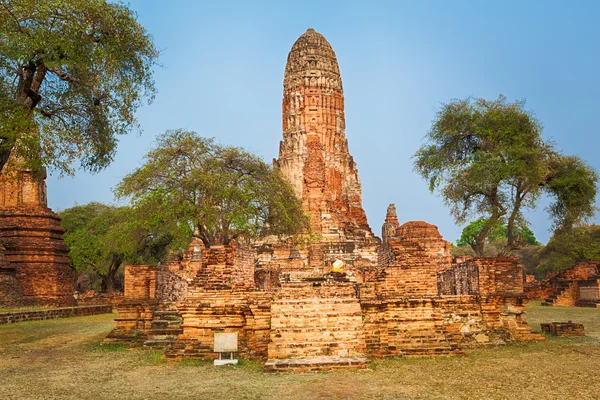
{"points": [[72, 74], [101, 238], [223, 192], [497, 232], [566, 248], [488, 159]]}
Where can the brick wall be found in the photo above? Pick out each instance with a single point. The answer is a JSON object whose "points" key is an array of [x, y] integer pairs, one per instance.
{"points": [[11, 294], [207, 312], [485, 276], [460, 280], [63, 312], [133, 320], [409, 270], [226, 267], [153, 282]]}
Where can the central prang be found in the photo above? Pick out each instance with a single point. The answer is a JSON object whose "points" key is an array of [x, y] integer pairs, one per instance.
{"points": [[314, 154]]}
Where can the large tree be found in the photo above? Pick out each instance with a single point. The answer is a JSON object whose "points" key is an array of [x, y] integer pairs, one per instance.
{"points": [[72, 74], [489, 160], [102, 238], [224, 193]]}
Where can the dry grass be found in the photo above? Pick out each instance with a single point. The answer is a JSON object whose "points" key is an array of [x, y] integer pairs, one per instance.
{"points": [[61, 359]]}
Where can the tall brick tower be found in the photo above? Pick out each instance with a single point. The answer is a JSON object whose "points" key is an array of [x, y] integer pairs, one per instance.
{"points": [[314, 152], [32, 237]]}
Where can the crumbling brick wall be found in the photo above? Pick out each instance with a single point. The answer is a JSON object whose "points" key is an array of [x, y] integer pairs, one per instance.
{"points": [[153, 282], [461, 279], [485, 276], [208, 312], [227, 267]]}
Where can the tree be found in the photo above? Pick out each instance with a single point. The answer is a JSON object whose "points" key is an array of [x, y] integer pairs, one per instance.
{"points": [[101, 238], [224, 193], [488, 159], [497, 233], [566, 248], [72, 74]]}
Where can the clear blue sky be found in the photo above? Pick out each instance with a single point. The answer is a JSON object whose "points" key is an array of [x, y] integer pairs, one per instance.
{"points": [[222, 76]]}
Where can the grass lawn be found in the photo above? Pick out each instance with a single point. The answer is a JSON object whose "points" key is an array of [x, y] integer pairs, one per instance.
{"points": [[62, 359]]}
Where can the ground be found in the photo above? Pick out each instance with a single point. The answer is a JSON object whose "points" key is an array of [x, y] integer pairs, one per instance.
{"points": [[62, 359]]}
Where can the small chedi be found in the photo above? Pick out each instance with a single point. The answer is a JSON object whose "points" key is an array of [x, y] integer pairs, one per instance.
{"points": [[342, 296], [34, 267]]}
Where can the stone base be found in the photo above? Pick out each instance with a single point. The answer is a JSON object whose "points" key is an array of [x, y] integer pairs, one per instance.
{"points": [[315, 364], [33, 238], [225, 362]]}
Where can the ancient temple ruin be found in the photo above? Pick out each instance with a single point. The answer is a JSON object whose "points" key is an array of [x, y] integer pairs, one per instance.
{"points": [[34, 263], [341, 297]]}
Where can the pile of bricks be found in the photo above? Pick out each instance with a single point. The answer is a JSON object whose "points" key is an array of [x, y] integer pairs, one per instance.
{"points": [[564, 329]]}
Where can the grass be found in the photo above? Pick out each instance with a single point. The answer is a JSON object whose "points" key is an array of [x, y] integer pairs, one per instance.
{"points": [[62, 359]]}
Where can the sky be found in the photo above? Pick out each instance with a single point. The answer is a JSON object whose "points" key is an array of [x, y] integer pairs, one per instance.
{"points": [[222, 65]]}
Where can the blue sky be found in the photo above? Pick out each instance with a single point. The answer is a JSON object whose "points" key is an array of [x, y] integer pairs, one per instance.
{"points": [[222, 76]]}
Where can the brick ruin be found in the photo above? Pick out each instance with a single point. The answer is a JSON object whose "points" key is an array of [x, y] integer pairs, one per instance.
{"points": [[34, 267], [577, 286], [332, 301]]}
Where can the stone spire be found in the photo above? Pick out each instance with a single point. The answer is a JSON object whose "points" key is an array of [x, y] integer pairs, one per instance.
{"points": [[391, 223], [314, 152]]}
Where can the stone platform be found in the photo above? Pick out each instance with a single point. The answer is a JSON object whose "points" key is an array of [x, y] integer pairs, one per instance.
{"points": [[316, 364]]}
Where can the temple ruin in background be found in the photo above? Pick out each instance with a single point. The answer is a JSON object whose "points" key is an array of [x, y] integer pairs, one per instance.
{"points": [[34, 263]]}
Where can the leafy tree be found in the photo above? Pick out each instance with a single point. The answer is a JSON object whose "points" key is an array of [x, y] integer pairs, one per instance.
{"points": [[488, 159], [224, 193], [566, 248], [101, 238], [498, 232], [72, 74]]}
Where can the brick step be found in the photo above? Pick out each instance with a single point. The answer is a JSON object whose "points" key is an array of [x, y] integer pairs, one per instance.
{"points": [[164, 324], [166, 331], [316, 300], [430, 351], [316, 321], [315, 364], [317, 337], [313, 349], [158, 343], [588, 303], [316, 329], [314, 314], [160, 313], [163, 336]]}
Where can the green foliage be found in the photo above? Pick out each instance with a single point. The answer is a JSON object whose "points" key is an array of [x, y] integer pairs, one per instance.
{"points": [[72, 75], [224, 193], [566, 248], [497, 232], [101, 238], [471, 231], [488, 159]]}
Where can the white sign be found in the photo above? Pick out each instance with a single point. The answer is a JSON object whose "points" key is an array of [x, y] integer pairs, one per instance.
{"points": [[226, 342]]}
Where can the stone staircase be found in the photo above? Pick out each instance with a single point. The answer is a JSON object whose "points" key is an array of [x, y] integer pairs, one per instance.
{"points": [[316, 326], [563, 286], [165, 327]]}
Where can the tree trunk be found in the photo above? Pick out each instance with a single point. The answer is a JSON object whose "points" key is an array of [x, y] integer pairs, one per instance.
{"points": [[31, 77], [108, 283]]}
